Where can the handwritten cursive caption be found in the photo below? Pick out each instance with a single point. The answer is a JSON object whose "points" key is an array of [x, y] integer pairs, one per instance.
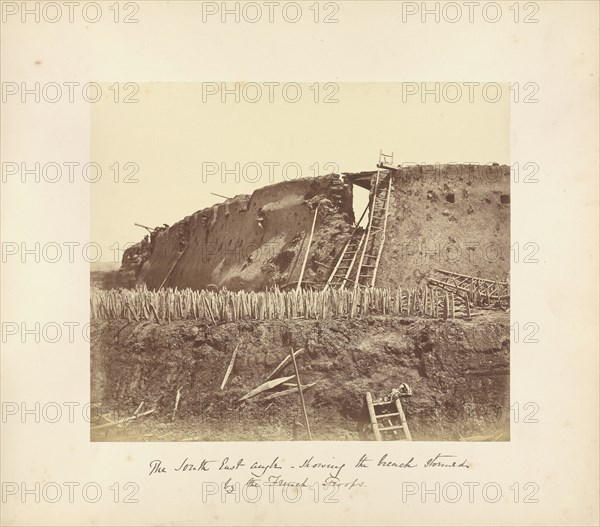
{"points": [[308, 473]]}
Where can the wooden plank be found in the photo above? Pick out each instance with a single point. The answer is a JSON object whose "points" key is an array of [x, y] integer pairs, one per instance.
{"points": [[139, 408], [291, 384], [126, 420], [284, 363], [265, 386], [312, 230], [105, 418], [287, 392], [172, 267], [301, 394], [385, 416], [372, 417], [382, 403], [230, 367], [445, 285], [450, 273], [177, 398]]}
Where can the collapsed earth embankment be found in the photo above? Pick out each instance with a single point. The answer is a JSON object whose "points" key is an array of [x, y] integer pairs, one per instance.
{"points": [[249, 242]]}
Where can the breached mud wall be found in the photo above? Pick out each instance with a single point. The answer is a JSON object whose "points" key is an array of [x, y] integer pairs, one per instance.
{"points": [[252, 242], [454, 217], [458, 370]]}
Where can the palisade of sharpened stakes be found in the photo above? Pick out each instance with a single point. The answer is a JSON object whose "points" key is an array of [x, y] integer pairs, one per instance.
{"points": [[215, 307]]}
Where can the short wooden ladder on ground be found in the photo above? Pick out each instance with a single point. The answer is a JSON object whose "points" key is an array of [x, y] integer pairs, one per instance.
{"points": [[388, 421]]}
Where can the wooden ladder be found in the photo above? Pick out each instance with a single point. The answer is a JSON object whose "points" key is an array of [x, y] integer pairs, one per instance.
{"points": [[345, 263], [387, 420], [386, 159], [476, 289], [375, 235]]}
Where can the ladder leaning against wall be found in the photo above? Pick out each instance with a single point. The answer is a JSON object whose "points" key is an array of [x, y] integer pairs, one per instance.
{"points": [[359, 260], [376, 231], [342, 272]]}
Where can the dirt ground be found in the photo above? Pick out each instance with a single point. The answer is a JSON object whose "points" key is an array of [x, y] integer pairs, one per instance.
{"points": [[458, 371]]}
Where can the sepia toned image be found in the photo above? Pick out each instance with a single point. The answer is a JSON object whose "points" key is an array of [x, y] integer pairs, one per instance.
{"points": [[322, 263], [298, 266]]}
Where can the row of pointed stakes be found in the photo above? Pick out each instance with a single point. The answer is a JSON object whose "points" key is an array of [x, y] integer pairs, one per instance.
{"points": [[229, 306]]}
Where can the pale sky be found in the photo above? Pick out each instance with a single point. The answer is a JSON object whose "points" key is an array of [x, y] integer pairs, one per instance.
{"points": [[180, 135]]}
